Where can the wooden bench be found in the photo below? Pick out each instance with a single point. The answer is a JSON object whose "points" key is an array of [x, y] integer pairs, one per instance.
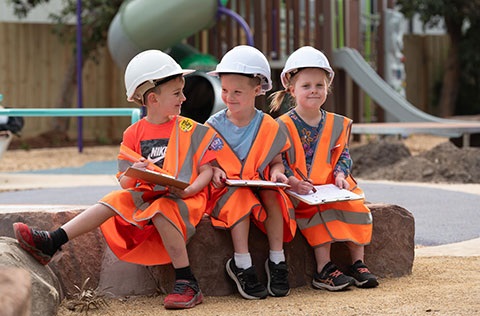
{"points": [[447, 129]]}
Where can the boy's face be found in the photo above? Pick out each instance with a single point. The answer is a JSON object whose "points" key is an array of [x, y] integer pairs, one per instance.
{"points": [[239, 92], [169, 97], [310, 88]]}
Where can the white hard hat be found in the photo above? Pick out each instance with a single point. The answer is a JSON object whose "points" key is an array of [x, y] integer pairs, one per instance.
{"points": [[247, 60], [305, 57], [146, 68]]}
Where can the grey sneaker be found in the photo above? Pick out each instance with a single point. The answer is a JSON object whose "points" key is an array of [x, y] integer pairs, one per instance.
{"points": [[331, 278], [277, 278], [363, 277], [246, 281]]}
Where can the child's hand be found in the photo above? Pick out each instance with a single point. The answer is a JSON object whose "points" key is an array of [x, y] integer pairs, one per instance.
{"points": [[300, 186], [185, 193], [278, 177], [341, 182], [141, 164], [219, 177]]}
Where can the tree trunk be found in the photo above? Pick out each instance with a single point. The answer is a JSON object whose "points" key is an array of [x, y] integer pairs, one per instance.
{"points": [[451, 76]]}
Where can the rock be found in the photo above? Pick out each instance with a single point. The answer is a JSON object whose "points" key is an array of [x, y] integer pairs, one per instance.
{"points": [[79, 259], [16, 289], [390, 253], [45, 288]]}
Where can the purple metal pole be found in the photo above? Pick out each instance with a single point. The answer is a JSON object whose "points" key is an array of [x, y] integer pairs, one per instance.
{"points": [[240, 20], [79, 76]]}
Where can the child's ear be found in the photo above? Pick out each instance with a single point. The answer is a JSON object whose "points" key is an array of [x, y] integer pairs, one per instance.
{"points": [[258, 89], [151, 97]]}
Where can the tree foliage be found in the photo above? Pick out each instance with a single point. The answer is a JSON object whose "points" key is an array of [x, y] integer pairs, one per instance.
{"points": [[461, 81]]}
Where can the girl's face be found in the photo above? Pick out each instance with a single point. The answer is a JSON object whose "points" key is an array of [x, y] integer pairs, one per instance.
{"points": [[239, 92], [169, 97], [310, 88]]}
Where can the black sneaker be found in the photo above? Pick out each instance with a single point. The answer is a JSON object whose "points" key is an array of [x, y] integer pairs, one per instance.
{"points": [[247, 281], [362, 276], [38, 243], [331, 278], [277, 276]]}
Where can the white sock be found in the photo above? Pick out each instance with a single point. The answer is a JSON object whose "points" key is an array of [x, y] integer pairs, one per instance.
{"points": [[242, 260], [277, 256]]}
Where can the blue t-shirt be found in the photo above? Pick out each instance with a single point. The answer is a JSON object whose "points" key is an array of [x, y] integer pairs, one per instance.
{"points": [[240, 139]]}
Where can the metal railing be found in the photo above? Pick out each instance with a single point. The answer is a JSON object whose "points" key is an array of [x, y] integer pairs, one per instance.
{"points": [[134, 113]]}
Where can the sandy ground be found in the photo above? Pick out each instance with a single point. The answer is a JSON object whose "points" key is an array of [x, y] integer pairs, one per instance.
{"points": [[437, 286], [446, 285]]}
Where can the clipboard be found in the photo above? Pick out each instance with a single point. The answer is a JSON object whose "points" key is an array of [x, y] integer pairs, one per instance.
{"points": [[255, 183], [327, 193], [156, 177]]}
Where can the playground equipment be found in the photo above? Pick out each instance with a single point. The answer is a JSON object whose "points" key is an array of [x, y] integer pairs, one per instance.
{"points": [[410, 120], [128, 35], [164, 27]]}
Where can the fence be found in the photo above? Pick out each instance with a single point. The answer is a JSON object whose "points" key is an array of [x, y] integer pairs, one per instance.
{"points": [[33, 63]]}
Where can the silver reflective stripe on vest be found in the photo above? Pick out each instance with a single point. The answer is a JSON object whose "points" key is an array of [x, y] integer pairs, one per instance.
{"points": [[337, 130], [335, 215], [277, 146], [290, 151], [222, 201], [185, 214], [196, 139]]}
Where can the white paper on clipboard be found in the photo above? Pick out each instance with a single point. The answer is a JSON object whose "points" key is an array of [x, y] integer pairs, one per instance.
{"points": [[326, 193]]}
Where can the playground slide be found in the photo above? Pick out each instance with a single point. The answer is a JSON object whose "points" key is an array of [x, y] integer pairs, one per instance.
{"points": [[147, 24], [151, 24], [385, 96]]}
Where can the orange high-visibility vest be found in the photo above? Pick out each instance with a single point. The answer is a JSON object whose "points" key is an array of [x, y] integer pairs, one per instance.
{"points": [[339, 221], [229, 205], [130, 234]]}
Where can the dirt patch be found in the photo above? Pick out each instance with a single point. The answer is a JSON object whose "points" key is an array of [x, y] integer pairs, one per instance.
{"points": [[393, 160]]}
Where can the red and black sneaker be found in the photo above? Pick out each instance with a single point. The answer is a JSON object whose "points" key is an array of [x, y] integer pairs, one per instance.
{"points": [[37, 243], [186, 294]]}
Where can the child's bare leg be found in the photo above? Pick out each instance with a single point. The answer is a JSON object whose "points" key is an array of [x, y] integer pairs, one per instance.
{"points": [[240, 236], [322, 255], [173, 241], [357, 252], [87, 220], [358, 270], [274, 222], [186, 292]]}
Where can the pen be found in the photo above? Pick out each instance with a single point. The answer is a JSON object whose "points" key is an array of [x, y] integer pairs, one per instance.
{"points": [[304, 178]]}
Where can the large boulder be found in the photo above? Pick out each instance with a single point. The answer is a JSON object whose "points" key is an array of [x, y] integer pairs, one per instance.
{"points": [[391, 253], [46, 292], [79, 259], [16, 289]]}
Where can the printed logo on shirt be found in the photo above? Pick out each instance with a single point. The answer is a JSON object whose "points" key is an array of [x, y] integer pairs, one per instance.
{"points": [[155, 150], [217, 144], [186, 124]]}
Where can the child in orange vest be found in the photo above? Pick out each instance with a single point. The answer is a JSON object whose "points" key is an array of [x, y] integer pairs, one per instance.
{"points": [[145, 223], [249, 147], [320, 151]]}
